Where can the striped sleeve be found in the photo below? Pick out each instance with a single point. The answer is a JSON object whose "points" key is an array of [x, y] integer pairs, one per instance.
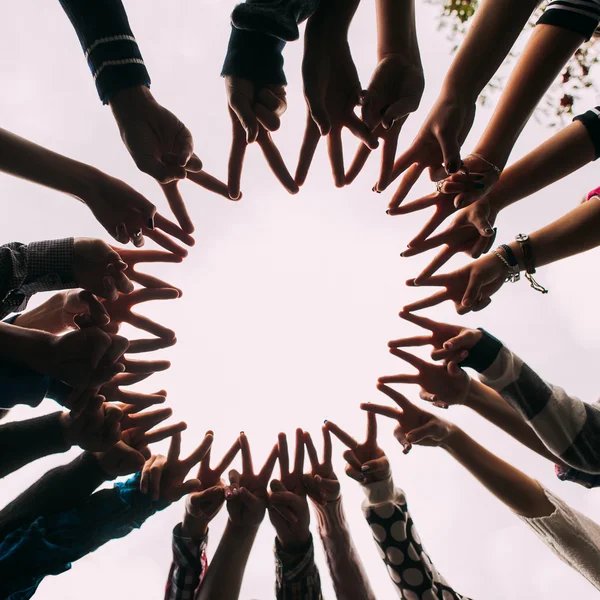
{"points": [[568, 427], [109, 46], [591, 121], [580, 16]]}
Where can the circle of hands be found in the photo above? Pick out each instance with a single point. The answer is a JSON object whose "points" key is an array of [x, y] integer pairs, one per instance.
{"points": [[91, 363]]}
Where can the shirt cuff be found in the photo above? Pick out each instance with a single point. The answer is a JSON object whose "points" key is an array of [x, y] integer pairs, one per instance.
{"points": [[483, 353], [379, 492], [292, 565], [591, 121], [254, 56], [187, 552], [587, 480], [566, 16], [52, 262]]}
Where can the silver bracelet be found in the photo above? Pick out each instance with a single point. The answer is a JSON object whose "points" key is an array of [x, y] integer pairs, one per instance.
{"points": [[494, 167], [513, 271]]}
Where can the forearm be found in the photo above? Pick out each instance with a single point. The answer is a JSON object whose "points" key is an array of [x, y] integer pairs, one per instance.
{"points": [[225, 573], [396, 29], [563, 154], [22, 346], [27, 160], [495, 27], [546, 53], [349, 578], [22, 442], [45, 317], [335, 15], [492, 407], [519, 492], [58, 490]]}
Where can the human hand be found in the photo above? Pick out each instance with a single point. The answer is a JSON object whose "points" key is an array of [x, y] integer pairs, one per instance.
{"points": [[203, 506], [367, 462], [290, 516], [113, 393], [246, 494], [395, 91], [450, 342], [415, 426], [254, 112], [96, 429], [439, 384], [472, 231], [470, 287], [332, 90], [436, 147], [165, 477], [321, 484], [136, 257], [120, 312]]}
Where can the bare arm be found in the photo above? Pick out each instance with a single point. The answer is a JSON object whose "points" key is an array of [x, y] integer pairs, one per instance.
{"points": [[396, 29]]}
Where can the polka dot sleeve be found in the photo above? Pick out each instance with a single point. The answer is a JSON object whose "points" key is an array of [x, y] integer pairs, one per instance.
{"points": [[400, 547]]}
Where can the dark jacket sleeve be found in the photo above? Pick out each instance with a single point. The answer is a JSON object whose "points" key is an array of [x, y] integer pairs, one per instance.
{"points": [[591, 121], [580, 16]]}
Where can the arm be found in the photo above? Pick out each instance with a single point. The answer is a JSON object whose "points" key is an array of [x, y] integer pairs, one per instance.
{"points": [[297, 574], [110, 48], [396, 29]]}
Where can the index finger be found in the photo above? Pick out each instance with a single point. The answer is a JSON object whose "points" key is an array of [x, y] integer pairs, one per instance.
{"points": [[133, 257], [174, 448], [397, 397], [247, 466], [267, 470], [336, 156], [341, 435], [162, 433], [299, 454], [307, 150], [199, 453], [210, 183], [312, 451], [432, 300], [236, 162], [228, 458], [411, 359], [380, 409], [371, 430], [284, 459], [423, 322], [410, 178], [327, 449], [178, 207], [276, 162]]}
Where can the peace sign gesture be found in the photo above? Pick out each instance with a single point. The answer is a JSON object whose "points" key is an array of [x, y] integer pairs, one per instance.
{"points": [[135, 257], [120, 312], [113, 393], [367, 462], [165, 477], [438, 384], [321, 484], [415, 426], [246, 493], [292, 480]]}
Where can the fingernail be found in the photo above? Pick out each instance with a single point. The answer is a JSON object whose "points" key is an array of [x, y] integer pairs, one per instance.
{"points": [[449, 345], [228, 494], [362, 479], [402, 254], [242, 433], [318, 478], [479, 177], [325, 421], [365, 468], [151, 223], [459, 203], [489, 230], [387, 212], [479, 186]]}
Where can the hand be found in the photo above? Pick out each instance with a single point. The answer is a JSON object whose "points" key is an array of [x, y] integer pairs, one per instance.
{"points": [[394, 92], [113, 393], [367, 462], [470, 287], [415, 426], [99, 269], [450, 342], [96, 429], [290, 516], [438, 143], [120, 312], [136, 257], [321, 484], [439, 384], [472, 231], [202, 507], [165, 477], [332, 91], [246, 493], [254, 113]]}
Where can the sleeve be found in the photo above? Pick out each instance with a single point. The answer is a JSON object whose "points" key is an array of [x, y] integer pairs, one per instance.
{"points": [[259, 31], [400, 547], [22, 442], [187, 568], [572, 536], [591, 121], [49, 544], [567, 426], [36, 267], [579, 16], [20, 385], [297, 576], [109, 46]]}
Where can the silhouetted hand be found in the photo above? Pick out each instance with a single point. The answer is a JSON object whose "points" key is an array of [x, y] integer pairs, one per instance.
{"points": [[321, 484]]}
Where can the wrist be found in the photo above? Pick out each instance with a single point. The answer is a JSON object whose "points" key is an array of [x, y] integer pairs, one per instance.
{"points": [[330, 517], [298, 543], [131, 100], [453, 437], [193, 527]]}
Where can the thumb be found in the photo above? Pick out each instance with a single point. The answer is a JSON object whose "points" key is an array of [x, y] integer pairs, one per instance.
{"points": [[450, 150], [454, 370], [277, 486], [465, 340], [190, 486], [473, 290], [399, 110], [482, 223], [427, 431], [246, 116]]}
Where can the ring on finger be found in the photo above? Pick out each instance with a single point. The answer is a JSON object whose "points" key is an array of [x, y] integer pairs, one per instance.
{"points": [[439, 186]]}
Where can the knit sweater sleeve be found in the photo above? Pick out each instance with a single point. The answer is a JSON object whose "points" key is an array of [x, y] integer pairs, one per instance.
{"points": [[580, 16], [567, 426], [109, 46], [572, 536], [259, 32], [591, 121]]}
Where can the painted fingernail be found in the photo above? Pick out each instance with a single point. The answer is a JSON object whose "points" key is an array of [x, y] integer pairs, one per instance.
{"points": [[387, 212], [325, 421], [365, 468], [479, 186], [449, 345], [489, 230], [459, 203], [151, 223], [402, 254]]}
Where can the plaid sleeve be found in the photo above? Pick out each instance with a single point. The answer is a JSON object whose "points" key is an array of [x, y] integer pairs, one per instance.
{"points": [[36, 267], [297, 576], [188, 566]]}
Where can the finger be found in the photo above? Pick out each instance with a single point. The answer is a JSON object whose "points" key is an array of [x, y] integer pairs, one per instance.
{"points": [[410, 178], [450, 151], [437, 218], [273, 100], [420, 321], [371, 430], [139, 346], [210, 183], [269, 120], [167, 243], [465, 340], [482, 245], [336, 156], [184, 146], [307, 151], [351, 459], [189, 487], [228, 458], [127, 379], [341, 435], [194, 165], [174, 448], [146, 324], [173, 230], [145, 477], [199, 453], [411, 359], [284, 459], [154, 483], [400, 378], [312, 451], [144, 366], [361, 131], [177, 205], [235, 165], [480, 305], [246, 117], [409, 342], [380, 409], [327, 447], [149, 281], [250, 500], [401, 400], [121, 282], [162, 433], [163, 173], [234, 479], [472, 291], [247, 466], [388, 155], [146, 420], [441, 258], [427, 431], [428, 302], [275, 161], [96, 309], [267, 470], [419, 245], [299, 454], [134, 257], [277, 487], [415, 205], [360, 159], [376, 466], [400, 435]]}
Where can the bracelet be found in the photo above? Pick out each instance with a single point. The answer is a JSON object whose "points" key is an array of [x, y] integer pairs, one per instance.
{"points": [[513, 271], [529, 262], [510, 255], [494, 167]]}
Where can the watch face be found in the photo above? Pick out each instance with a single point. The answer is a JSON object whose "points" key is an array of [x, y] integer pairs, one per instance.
{"points": [[522, 237]]}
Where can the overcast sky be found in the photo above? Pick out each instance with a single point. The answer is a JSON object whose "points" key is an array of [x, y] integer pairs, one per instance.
{"points": [[289, 301]]}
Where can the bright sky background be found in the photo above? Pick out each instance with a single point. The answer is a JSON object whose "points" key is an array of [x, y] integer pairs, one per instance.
{"points": [[289, 301]]}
